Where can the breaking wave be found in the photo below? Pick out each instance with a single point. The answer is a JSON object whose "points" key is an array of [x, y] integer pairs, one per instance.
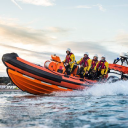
{"points": [[118, 88]]}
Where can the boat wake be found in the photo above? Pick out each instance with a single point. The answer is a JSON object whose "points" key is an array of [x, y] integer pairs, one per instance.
{"points": [[104, 89]]}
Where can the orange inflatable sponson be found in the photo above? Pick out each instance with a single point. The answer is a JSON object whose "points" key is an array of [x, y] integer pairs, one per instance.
{"points": [[119, 68], [36, 79]]}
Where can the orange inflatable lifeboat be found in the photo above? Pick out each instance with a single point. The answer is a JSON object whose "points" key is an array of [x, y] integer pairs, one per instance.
{"points": [[36, 79]]}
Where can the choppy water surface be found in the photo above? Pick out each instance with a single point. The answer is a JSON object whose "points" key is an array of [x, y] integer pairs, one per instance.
{"points": [[104, 105]]}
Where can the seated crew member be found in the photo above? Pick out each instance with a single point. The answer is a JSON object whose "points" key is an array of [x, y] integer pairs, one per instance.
{"points": [[85, 65], [102, 67], [69, 61], [92, 72]]}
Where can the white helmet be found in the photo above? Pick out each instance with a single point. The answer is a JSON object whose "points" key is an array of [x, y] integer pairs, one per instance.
{"points": [[122, 54], [103, 56], [68, 49], [96, 55], [86, 53]]}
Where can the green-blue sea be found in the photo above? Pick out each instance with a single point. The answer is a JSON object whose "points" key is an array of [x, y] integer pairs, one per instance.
{"points": [[102, 106]]}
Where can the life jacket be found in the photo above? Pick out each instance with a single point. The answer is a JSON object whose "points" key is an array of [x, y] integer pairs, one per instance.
{"points": [[94, 62], [101, 65], [84, 62], [68, 58]]}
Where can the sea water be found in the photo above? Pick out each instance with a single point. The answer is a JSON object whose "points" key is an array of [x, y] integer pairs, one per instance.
{"points": [[102, 106]]}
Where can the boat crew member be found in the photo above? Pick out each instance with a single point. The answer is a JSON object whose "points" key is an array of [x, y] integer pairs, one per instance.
{"points": [[85, 65], [69, 61], [92, 72], [123, 59], [102, 67]]}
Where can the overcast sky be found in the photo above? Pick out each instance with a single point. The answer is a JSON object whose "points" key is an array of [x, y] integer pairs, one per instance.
{"points": [[35, 29]]}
